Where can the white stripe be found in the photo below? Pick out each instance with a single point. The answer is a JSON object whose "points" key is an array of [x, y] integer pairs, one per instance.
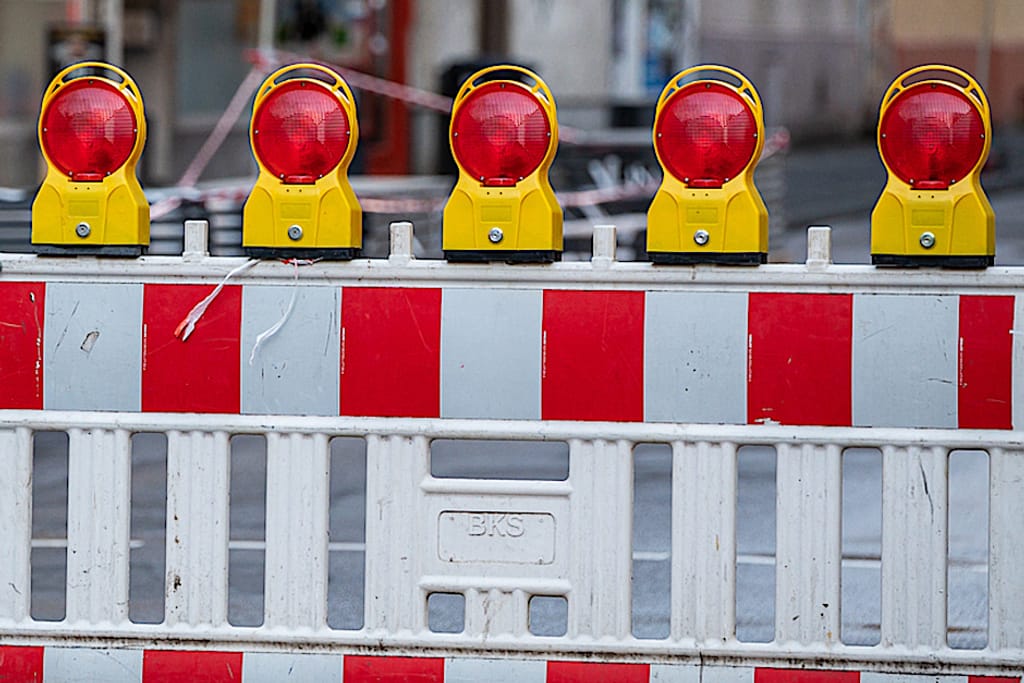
{"points": [[92, 341], [494, 671], [905, 360], [693, 673], [490, 353], [871, 677], [695, 357], [84, 665], [273, 667]]}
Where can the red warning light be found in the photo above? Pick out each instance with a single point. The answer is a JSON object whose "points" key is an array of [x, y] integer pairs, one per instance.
{"points": [[705, 134], [88, 130], [500, 133], [931, 135], [300, 132]]}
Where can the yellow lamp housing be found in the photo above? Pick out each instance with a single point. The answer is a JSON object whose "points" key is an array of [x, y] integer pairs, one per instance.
{"points": [[503, 135], [934, 134], [92, 128], [304, 133], [708, 136]]}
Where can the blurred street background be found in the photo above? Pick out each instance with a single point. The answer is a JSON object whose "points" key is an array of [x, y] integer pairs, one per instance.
{"points": [[821, 67]]}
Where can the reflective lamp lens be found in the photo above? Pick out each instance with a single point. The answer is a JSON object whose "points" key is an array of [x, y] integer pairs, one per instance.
{"points": [[705, 134], [89, 130], [300, 132], [500, 133], [931, 135]]}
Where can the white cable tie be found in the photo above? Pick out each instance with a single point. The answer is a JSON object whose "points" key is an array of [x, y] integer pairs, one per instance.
{"points": [[276, 327], [188, 324]]}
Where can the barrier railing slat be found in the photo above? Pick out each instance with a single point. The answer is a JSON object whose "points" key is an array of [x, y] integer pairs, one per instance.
{"points": [[395, 467], [99, 512], [914, 546], [298, 502], [808, 547], [703, 541], [16, 520], [198, 487], [600, 566], [1006, 550]]}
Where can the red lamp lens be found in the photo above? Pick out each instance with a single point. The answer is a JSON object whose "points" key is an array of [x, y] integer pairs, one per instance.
{"points": [[931, 135], [300, 132], [500, 133], [89, 130], [705, 134]]}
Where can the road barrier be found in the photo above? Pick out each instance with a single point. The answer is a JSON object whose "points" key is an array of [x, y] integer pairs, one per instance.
{"points": [[914, 363]]}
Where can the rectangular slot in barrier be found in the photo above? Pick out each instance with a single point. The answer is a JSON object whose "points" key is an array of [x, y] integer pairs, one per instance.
{"points": [[755, 544], [347, 549], [861, 575], [652, 540], [549, 615], [967, 563], [246, 547], [49, 525], [499, 459], [146, 568], [446, 612]]}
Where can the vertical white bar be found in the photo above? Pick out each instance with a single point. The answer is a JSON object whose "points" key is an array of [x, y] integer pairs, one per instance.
{"points": [[703, 541], [914, 546], [1006, 550], [298, 498], [494, 612], [601, 565], [808, 543], [99, 512], [198, 488], [16, 522], [395, 468]]}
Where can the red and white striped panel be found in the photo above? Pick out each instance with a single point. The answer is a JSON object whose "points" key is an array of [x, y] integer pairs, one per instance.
{"points": [[831, 359], [59, 664]]}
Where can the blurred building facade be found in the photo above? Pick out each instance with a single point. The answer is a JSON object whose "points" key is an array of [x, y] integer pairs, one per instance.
{"points": [[820, 65]]}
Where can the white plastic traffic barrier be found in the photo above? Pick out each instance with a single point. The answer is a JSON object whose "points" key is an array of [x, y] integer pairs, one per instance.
{"points": [[585, 354]]}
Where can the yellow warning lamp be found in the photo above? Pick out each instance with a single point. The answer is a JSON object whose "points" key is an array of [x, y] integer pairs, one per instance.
{"points": [[504, 134], [304, 134], [92, 129], [934, 134], [708, 136]]}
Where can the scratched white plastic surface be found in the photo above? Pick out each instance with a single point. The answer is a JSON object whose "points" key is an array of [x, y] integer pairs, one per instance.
{"points": [[16, 520], [592, 556], [413, 544], [198, 485]]}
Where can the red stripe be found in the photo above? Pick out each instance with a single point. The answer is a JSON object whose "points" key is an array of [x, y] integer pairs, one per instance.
{"points": [[799, 359], [801, 676], [201, 374], [993, 679], [596, 672], [21, 664], [22, 311], [176, 666], [593, 356], [393, 669], [391, 351], [985, 383]]}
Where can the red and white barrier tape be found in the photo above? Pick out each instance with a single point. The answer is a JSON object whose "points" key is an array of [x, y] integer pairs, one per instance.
{"points": [[263, 61]]}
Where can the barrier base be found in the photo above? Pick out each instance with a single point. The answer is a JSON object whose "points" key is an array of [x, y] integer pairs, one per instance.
{"points": [[129, 250], [906, 261], [328, 253], [506, 255], [724, 258]]}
